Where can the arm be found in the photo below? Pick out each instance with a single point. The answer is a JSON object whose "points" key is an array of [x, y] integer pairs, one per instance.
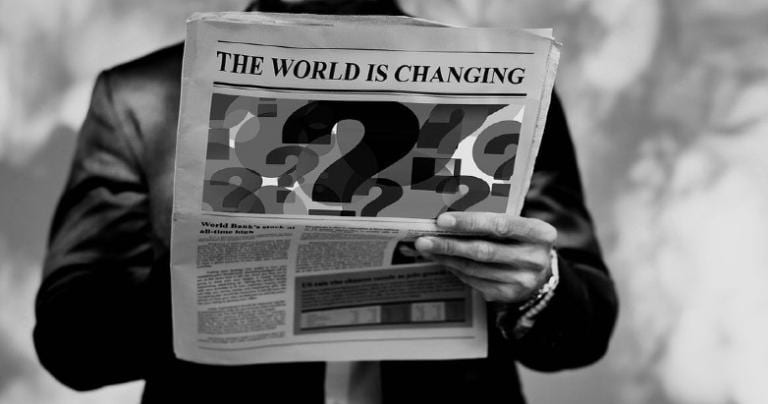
{"points": [[576, 326], [92, 308], [510, 260]]}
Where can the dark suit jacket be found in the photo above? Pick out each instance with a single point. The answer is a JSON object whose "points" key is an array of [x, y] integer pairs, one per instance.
{"points": [[103, 309]]}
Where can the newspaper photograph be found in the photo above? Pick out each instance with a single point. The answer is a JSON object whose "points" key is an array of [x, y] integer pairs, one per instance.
{"points": [[311, 153]]}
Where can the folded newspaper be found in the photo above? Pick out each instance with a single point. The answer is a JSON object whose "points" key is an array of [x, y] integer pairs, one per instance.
{"points": [[312, 151]]}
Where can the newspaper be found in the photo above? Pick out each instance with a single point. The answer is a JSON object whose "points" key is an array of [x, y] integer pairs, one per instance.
{"points": [[312, 151]]}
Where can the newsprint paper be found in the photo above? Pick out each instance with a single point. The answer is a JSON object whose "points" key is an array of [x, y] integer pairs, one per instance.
{"points": [[312, 151]]}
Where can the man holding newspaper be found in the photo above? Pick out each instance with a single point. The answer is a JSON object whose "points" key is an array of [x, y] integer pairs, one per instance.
{"points": [[104, 310]]}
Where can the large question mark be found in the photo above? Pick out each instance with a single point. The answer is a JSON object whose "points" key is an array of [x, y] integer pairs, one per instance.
{"points": [[391, 192], [223, 194], [390, 132], [303, 128], [477, 191]]}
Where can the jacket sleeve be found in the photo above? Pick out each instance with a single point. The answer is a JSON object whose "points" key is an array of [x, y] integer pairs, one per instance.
{"points": [[575, 328], [92, 310]]}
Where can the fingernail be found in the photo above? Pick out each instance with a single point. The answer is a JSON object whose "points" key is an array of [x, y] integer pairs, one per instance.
{"points": [[424, 243], [446, 220]]}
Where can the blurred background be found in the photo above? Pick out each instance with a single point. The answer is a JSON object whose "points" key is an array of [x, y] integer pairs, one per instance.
{"points": [[668, 104]]}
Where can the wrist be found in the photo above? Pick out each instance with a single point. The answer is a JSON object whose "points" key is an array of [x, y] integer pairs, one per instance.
{"points": [[524, 315]]}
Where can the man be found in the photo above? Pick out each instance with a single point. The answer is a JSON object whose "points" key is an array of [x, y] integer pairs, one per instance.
{"points": [[103, 309]]}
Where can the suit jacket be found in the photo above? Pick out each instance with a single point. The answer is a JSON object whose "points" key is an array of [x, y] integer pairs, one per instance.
{"points": [[103, 308]]}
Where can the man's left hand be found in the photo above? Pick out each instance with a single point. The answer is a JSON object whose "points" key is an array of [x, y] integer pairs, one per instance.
{"points": [[506, 258]]}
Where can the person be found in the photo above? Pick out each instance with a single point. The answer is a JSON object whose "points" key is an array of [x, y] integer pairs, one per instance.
{"points": [[103, 307]]}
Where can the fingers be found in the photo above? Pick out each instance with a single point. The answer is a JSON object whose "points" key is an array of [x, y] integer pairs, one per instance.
{"points": [[499, 225], [494, 284], [486, 260], [521, 256], [489, 272]]}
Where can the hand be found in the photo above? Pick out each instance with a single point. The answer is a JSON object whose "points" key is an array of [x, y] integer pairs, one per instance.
{"points": [[507, 261]]}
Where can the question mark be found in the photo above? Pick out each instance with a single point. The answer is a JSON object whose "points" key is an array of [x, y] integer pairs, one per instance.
{"points": [[390, 132], [391, 192], [443, 131], [307, 161], [285, 198], [477, 191], [448, 124], [225, 195], [490, 153], [261, 135], [439, 131], [498, 145]]}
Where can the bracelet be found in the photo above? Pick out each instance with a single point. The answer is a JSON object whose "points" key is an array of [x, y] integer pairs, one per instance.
{"points": [[536, 304], [548, 287]]}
